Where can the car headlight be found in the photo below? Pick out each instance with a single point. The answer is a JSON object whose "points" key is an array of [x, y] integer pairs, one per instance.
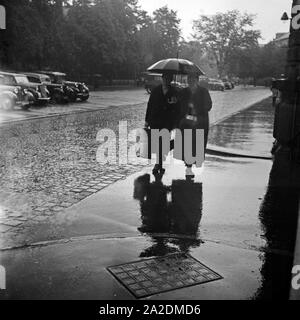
{"points": [[16, 91]]}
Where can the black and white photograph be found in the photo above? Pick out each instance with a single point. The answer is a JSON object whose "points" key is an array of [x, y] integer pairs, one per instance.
{"points": [[149, 152]]}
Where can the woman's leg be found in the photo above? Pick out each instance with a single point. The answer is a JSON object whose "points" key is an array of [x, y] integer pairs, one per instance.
{"points": [[158, 168]]}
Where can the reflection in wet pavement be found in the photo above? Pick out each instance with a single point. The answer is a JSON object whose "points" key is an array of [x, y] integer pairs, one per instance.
{"points": [[225, 197], [49, 164], [279, 220], [171, 213], [175, 210], [230, 203], [250, 130]]}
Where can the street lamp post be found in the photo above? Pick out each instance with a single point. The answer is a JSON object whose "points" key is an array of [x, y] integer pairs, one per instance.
{"points": [[287, 125]]}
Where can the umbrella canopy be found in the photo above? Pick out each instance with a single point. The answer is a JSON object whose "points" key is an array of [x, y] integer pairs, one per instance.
{"points": [[179, 66]]}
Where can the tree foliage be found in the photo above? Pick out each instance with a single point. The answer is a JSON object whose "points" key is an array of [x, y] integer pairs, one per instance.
{"points": [[259, 62], [224, 34], [114, 38], [117, 39], [167, 33]]}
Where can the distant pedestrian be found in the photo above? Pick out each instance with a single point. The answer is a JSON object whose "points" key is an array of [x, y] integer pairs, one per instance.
{"points": [[275, 93], [276, 97]]}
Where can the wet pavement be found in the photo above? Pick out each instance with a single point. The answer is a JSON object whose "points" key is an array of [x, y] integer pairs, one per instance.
{"points": [[69, 219], [249, 131], [49, 164], [229, 218]]}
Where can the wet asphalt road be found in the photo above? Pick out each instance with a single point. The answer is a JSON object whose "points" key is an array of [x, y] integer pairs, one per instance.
{"points": [[49, 163]]}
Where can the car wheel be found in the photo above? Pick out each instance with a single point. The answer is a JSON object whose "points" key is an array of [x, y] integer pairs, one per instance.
{"points": [[72, 97], [26, 107], [7, 103], [57, 98], [84, 98]]}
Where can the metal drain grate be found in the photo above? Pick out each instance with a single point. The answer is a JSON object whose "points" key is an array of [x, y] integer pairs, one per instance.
{"points": [[148, 277]]}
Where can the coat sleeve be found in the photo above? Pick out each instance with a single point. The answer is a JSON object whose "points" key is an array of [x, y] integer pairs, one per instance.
{"points": [[207, 100], [203, 102], [150, 106]]}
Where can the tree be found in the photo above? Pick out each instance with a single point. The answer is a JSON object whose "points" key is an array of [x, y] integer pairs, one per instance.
{"points": [[114, 38], [193, 51], [271, 62], [224, 34], [259, 62], [167, 33]]}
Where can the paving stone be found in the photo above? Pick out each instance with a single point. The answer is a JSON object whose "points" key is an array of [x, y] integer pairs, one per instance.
{"points": [[99, 188], [12, 223], [4, 228], [66, 204], [57, 208], [41, 218], [22, 219], [15, 215], [102, 184], [77, 190], [108, 181], [85, 193]]}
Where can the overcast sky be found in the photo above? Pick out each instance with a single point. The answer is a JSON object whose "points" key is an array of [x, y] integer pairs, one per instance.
{"points": [[268, 12]]}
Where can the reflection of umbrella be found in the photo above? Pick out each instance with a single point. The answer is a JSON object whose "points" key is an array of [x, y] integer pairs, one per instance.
{"points": [[181, 66]]}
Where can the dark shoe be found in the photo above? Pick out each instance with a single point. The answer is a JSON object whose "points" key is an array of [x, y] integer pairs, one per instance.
{"points": [[158, 170], [189, 173]]}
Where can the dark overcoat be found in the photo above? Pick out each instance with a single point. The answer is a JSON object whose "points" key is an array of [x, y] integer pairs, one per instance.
{"points": [[202, 103], [160, 113]]}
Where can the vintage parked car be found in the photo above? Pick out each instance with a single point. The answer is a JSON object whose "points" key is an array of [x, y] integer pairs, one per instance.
{"points": [[215, 84], [58, 92], [38, 91], [228, 85], [152, 80], [13, 96], [80, 90]]}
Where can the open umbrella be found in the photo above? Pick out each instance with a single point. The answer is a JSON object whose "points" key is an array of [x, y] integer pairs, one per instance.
{"points": [[179, 66]]}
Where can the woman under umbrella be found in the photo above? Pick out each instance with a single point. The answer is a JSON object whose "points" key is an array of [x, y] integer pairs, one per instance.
{"points": [[195, 100], [162, 112]]}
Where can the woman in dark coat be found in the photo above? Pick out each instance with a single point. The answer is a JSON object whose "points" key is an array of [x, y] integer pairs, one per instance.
{"points": [[195, 100], [162, 111]]}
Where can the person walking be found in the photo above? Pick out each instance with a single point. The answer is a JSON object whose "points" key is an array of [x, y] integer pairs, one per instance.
{"points": [[195, 101], [162, 112]]}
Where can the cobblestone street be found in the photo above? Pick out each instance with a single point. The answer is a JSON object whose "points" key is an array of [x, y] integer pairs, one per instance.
{"points": [[49, 163]]}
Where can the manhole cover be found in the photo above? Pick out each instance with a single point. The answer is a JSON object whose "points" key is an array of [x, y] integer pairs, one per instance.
{"points": [[148, 277]]}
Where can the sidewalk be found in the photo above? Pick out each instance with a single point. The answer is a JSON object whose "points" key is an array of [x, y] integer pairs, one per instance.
{"points": [[225, 220], [248, 132]]}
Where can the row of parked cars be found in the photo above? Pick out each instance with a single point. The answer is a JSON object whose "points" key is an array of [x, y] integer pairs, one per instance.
{"points": [[152, 80], [220, 85], [26, 89]]}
